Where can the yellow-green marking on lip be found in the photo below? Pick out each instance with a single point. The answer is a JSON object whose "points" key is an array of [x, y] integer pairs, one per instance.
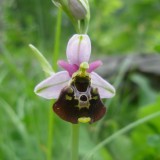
{"points": [[84, 119]]}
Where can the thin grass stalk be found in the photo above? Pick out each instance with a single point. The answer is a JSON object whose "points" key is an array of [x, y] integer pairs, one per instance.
{"points": [[120, 132], [55, 58]]}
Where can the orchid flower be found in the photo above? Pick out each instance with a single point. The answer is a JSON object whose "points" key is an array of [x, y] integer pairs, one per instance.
{"points": [[78, 89]]}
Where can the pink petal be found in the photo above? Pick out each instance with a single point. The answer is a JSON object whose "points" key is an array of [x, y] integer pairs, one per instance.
{"points": [[94, 65], [78, 49], [71, 68], [51, 87], [106, 90]]}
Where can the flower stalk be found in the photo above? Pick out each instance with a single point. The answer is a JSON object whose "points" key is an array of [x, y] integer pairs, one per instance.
{"points": [[75, 141], [55, 55]]}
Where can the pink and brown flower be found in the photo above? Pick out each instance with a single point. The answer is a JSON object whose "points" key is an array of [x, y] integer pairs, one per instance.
{"points": [[79, 89]]}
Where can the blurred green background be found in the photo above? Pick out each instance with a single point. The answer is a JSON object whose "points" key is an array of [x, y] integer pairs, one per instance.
{"points": [[117, 28]]}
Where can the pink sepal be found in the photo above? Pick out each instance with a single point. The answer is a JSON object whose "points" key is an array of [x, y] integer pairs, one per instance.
{"points": [[94, 65], [70, 68]]}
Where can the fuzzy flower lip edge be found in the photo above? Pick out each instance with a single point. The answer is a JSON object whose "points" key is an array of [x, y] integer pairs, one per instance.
{"points": [[51, 87]]}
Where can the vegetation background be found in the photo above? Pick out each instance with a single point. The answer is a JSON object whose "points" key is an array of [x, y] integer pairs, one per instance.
{"points": [[117, 27]]}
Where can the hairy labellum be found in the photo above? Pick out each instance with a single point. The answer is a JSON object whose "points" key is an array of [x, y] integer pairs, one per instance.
{"points": [[79, 101]]}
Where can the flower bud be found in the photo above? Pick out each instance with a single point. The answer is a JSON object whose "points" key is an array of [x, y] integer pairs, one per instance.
{"points": [[77, 9], [78, 49]]}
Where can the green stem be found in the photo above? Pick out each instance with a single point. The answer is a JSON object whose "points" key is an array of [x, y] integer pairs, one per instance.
{"points": [[120, 132], [55, 55], [75, 141], [50, 134], [57, 39]]}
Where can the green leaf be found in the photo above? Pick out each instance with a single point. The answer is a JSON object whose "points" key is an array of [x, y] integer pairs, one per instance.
{"points": [[119, 133], [42, 60], [146, 94], [118, 145]]}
